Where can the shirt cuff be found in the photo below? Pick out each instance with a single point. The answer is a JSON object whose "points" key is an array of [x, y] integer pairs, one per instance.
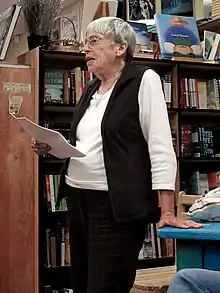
{"points": [[163, 186]]}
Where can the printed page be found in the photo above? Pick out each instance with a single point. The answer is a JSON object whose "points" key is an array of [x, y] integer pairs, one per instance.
{"points": [[60, 147]]}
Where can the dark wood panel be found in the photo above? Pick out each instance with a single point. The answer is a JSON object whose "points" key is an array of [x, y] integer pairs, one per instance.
{"points": [[18, 269]]}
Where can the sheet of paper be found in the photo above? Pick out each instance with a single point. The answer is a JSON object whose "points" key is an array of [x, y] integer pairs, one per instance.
{"points": [[60, 147]]}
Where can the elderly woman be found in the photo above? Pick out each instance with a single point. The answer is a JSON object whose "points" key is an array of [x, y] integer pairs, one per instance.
{"points": [[122, 126]]}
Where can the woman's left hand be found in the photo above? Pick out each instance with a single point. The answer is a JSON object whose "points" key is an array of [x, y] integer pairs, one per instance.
{"points": [[171, 220]]}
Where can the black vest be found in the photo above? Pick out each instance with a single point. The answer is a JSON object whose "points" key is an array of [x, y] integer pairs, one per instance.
{"points": [[125, 151]]}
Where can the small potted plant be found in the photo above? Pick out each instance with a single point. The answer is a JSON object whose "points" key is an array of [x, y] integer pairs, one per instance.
{"points": [[39, 16]]}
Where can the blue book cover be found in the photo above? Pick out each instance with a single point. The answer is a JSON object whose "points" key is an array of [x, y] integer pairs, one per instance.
{"points": [[143, 42], [178, 36]]}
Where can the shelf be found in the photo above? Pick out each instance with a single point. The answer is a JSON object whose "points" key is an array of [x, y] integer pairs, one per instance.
{"points": [[198, 68], [211, 25], [172, 110], [58, 277], [200, 160], [69, 109], [57, 269], [200, 113], [57, 214], [59, 108], [156, 262], [142, 264], [49, 160], [141, 59], [52, 218], [66, 59], [64, 55], [63, 59], [52, 165]]}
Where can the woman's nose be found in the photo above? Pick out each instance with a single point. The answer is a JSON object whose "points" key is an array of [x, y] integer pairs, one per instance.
{"points": [[86, 47]]}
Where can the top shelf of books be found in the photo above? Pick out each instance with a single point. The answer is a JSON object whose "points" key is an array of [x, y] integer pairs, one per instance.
{"points": [[174, 42]]}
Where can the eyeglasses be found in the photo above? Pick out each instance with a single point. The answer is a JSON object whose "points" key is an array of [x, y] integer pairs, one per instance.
{"points": [[93, 41]]}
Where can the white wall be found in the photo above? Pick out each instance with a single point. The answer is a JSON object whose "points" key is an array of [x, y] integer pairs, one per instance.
{"points": [[6, 3], [16, 49]]}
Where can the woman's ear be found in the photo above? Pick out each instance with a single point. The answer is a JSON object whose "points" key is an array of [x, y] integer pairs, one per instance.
{"points": [[121, 49]]}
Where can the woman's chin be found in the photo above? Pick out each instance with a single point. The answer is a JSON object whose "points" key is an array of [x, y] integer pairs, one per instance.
{"points": [[91, 69]]}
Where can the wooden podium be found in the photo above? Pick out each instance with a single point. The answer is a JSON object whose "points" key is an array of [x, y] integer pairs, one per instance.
{"points": [[19, 184]]}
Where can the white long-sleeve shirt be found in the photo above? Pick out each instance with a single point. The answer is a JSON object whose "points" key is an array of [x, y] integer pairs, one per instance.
{"points": [[89, 172]]}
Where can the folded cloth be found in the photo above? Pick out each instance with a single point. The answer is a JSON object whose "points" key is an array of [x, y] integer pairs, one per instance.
{"points": [[206, 208]]}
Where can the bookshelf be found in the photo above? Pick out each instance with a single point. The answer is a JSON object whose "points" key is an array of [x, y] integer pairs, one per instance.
{"points": [[18, 186], [45, 221], [199, 159]]}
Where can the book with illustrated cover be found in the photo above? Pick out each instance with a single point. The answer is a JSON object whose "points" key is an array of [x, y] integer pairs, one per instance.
{"points": [[54, 86], [211, 46], [178, 36], [143, 42], [8, 20]]}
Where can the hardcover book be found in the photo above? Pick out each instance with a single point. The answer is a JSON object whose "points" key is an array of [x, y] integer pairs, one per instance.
{"points": [[178, 36], [143, 42], [211, 46]]}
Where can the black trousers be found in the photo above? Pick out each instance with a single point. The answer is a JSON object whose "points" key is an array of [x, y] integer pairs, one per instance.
{"points": [[104, 253]]}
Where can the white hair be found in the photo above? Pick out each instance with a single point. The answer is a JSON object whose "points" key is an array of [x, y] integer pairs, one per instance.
{"points": [[119, 29]]}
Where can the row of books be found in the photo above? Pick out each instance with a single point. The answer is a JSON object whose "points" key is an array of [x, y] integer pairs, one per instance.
{"points": [[57, 247], [65, 87], [174, 36], [200, 183], [51, 191], [200, 141], [154, 247], [201, 94]]}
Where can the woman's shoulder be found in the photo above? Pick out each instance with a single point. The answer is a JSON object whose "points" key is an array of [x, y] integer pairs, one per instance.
{"points": [[136, 70], [150, 74], [145, 70]]}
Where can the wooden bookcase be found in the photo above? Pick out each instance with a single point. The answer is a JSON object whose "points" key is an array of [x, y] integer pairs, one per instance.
{"points": [[19, 185], [22, 251]]}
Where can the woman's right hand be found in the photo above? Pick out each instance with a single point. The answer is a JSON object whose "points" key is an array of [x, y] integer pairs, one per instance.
{"points": [[40, 148]]}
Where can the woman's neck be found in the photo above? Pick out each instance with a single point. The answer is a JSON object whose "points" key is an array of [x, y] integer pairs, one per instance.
{"points": [[109, 78]]}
